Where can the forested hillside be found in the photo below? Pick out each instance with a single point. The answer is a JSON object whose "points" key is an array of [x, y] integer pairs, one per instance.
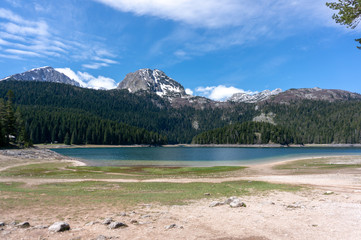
{"points": [[246, 133], [54, 112], [142, 110]]}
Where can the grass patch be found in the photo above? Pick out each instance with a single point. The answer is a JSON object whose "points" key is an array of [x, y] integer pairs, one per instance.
{"points": [[315, 164], [126, 194], [66, 170]]}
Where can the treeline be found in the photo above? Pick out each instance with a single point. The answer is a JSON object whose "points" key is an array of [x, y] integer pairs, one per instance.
{"points": [[320, 122], [72, 126], [246, 133], [12, 127], [142, 110]]}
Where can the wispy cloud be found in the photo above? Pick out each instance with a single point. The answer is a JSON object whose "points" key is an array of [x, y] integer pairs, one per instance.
{"points": [[220, 24], [220, 92], [23, 38], [87, 80]]}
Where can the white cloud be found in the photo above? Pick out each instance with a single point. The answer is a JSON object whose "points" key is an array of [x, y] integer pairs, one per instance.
{"points": [[222, 13], [33, 37], [87, 80], [189, 91], [213, 25], [220, 92], [22, 52], [95, 65]]}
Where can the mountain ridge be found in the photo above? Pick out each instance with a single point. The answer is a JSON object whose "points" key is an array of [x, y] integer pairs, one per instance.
{"points": [[43, 74], [157, 82]]}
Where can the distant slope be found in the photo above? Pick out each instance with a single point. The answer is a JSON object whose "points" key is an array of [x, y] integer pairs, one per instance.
{"points": [[43, 74], [330, 95], [246, 133], [143, 109]]}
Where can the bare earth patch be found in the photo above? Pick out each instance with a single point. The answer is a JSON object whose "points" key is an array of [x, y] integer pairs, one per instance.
{"points": [[329, 208]]}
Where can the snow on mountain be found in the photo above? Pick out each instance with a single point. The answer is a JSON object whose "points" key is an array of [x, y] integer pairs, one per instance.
{"points": [[43, 74], [253, 98], [154, 81]]}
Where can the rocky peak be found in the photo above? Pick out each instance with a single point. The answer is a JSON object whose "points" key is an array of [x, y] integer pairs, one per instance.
{"points": [[253, 98], [43, 74], [154, 81], [316, 93]]}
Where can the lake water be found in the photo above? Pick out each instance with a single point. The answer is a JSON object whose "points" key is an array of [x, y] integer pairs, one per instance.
{"points": [[195, 156]]}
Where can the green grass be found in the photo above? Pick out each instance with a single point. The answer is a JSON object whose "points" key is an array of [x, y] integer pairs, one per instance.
{"points": [[314, 164], [65, 170], [126, 194]]}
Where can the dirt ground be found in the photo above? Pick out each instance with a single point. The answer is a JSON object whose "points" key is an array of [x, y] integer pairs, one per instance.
{"points": [[329, 208]]}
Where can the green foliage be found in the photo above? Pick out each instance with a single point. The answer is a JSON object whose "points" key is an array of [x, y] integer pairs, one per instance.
{"points": [[53, 112], [141, 110], [349, 13], [320, 122], [246, 133], [12, 129]]}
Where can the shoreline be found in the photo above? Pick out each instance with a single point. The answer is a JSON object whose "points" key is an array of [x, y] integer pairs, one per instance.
{"points": [[341, 145]]}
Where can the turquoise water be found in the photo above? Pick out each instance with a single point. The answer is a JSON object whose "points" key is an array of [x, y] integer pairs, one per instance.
{"points": [[195, 156]]}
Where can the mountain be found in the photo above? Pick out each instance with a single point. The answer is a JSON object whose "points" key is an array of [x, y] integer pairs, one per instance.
{"points": [[253, 98], [154, 81], [317, 94], [51, 111], [43, 74]]}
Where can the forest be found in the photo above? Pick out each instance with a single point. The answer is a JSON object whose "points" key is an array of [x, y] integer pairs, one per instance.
{"points": [[53, 112]]}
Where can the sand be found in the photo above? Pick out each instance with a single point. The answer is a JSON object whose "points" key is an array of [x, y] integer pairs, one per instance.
{"points": [[306, 214]]}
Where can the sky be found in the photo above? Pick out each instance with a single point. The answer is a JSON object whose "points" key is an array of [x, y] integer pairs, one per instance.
{"points": [[213, 48]]}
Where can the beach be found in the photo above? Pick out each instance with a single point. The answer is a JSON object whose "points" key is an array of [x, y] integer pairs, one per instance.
{"points": [[326, 204]]}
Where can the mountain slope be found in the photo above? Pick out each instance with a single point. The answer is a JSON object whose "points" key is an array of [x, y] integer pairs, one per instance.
{"points": [[316, 94], [154, 81], [43, 74], [253, 98]]}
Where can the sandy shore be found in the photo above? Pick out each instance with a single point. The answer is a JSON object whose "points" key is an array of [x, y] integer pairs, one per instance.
{"points": [[307, 214]]}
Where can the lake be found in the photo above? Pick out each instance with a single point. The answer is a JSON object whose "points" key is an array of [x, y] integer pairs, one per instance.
{"points": [[196, 156]]}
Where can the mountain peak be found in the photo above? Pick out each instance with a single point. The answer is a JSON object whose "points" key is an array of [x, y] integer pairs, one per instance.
{"points": [[43, 74], [252, 98], [155, 81]]}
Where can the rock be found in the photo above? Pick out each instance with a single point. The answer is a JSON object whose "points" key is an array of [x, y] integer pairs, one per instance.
{"points": [[237, 203], [59, 227], [40, 227], [170, 226], [294, 206], [134, 221], [101, 237], [229, 200], [107, 221], [23, 225], [328, 193], [2, 224], [215, 204], [91, 223], [207, 194], [115, 225]]}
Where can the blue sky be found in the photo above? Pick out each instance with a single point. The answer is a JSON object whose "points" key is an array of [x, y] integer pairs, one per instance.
{"points": [[213, 48]]}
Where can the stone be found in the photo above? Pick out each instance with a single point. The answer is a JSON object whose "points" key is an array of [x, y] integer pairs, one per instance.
{"points": [[229, 200], [115, 225], [207, 194], [23, 225], [107, 221], [237, 203], [59, 227], [101, 237], [2, 224], [170, 226], [134, 221], [216, 204], [328, 193]]}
